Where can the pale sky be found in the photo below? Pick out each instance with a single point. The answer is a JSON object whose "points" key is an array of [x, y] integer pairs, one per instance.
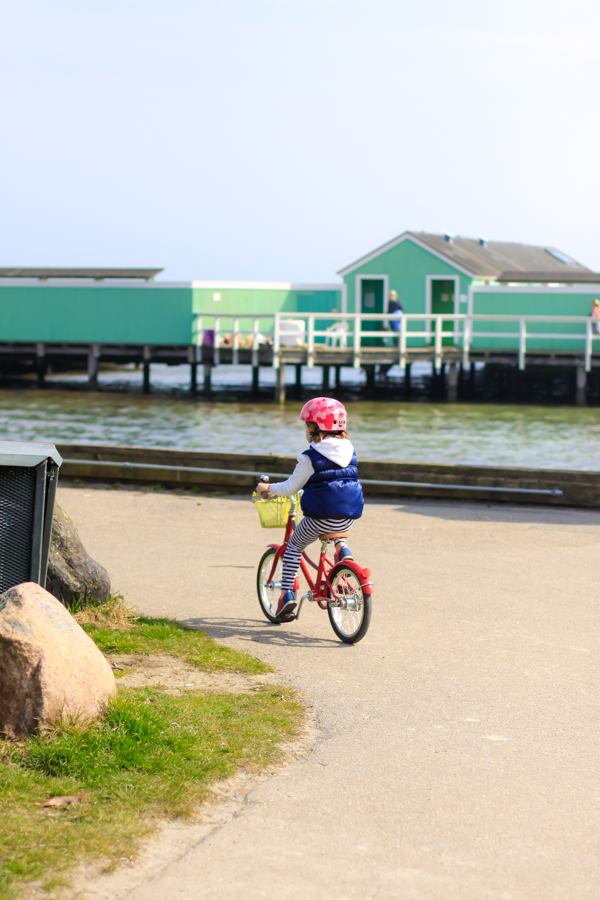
{"points": [[282, 139]]}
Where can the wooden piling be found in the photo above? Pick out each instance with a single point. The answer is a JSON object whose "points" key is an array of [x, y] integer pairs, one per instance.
{"points": [[255, 379], [40, 364], [146, 385], [581, 386], [92, 367], [452, 383], [193, 377], [325, 386], [207, 377], [280, 385]]}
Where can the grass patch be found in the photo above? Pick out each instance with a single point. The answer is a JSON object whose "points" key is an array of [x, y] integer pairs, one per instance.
{"points": [[151, 755], [167, 636]]}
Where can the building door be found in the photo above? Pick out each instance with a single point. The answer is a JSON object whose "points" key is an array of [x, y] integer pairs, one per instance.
{"points": [[442, 302], [372, 302]]}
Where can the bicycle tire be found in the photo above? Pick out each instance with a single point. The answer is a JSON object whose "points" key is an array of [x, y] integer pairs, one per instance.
{"points": [[268, 596], [349, 625]]}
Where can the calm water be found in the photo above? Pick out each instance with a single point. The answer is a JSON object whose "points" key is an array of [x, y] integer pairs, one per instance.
{"points": [[543, 437]]}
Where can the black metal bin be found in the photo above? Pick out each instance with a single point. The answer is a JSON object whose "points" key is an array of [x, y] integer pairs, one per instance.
{"points": [[28, 478]]}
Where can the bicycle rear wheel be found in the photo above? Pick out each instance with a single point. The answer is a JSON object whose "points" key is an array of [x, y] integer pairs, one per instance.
{"points": [[351, 620], [269, 591]]}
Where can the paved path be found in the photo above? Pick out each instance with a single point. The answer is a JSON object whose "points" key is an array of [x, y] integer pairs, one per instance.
{"points": [[456, 755]]}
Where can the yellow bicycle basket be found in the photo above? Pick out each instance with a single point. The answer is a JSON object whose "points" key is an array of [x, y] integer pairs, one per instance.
{"points": [[273, 512]]}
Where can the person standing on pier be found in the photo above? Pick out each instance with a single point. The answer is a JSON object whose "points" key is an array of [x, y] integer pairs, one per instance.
{"points": [[396, 309], [596, 316], [332, 498]]}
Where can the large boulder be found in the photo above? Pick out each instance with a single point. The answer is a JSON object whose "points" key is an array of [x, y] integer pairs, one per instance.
{"points": [[72, 573], [50, 670]]}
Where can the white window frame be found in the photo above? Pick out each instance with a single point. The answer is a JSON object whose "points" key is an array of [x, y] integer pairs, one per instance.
{"points": [[358, 290], [428, 282], [344, 297]]}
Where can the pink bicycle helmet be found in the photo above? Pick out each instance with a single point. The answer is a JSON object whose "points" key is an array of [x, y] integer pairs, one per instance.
{"points": [[328, 414]]}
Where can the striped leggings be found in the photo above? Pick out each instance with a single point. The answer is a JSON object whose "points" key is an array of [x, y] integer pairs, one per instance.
{"points": [[306, 532]]}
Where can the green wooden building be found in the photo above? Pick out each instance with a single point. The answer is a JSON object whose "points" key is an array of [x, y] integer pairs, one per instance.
{"points": [[441, 274], [128, 306]]}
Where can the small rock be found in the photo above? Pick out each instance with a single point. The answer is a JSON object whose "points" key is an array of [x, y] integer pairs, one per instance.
{"points": [[50, 670], [72, 573]]}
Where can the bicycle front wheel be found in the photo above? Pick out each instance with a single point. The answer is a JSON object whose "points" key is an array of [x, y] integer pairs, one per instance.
{"points": [[267, 588], [351, 618]]}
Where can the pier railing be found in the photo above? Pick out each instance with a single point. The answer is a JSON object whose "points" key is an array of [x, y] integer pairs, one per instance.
{"points": [[245, 331], [363, 333]]}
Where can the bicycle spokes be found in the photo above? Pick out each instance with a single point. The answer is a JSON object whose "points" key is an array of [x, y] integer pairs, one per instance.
{"points": [[345, 594]]}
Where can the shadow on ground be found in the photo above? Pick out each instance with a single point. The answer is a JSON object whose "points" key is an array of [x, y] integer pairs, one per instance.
{"points": [[495, 512], [259, 632]]}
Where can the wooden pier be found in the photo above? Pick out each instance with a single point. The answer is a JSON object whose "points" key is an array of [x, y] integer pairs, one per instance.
{"points": [[451, 344]]}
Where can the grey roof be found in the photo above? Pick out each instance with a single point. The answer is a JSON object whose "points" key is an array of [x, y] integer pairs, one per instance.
{"points": [[567, 276], [97, 274], [490, 259]]}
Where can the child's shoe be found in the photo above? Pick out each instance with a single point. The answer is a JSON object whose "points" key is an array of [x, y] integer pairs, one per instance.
{"points": [[343, 553], [286, 605]]}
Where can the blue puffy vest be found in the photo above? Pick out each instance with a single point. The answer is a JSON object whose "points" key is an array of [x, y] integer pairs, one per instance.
{"points": [[333, 492]]}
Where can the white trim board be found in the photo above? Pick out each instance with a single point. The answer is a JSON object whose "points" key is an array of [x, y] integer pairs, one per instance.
{"points": [[358, 290], [405, 236], [266, 286]]}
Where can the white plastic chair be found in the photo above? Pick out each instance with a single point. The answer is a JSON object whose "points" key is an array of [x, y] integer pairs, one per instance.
{"points": [[291, 332], [337, 334]]}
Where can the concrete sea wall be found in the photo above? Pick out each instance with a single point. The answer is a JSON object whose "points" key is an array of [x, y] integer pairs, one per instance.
{"points": [[237, 472]]}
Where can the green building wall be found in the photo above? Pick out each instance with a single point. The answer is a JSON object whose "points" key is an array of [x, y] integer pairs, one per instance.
{"points": [[252, 300], [140, 314], [148, 313], [533, 301]]}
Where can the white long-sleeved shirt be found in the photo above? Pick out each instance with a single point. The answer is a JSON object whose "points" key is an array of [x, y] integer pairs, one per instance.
{"points": [[338, 450]]}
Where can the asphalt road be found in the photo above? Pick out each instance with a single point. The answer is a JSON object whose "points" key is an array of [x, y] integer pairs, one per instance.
{"points": [[456, 754]]}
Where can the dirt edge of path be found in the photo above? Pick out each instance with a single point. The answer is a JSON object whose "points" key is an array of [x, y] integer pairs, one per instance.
{"points": [[173, 839], [175, 676]]}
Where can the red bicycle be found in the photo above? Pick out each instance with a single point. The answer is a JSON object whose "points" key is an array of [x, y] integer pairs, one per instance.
{"points": [[344, 589]]}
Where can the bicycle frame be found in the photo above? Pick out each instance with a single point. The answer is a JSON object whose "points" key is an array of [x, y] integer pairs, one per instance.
{"points": [[320, 590]]}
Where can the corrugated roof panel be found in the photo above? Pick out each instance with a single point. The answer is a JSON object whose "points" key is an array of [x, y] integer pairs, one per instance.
{"points": [[495, 257]]}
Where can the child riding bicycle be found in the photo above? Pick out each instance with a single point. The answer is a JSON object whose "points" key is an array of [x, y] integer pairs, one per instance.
{"points": [[332, 498]]}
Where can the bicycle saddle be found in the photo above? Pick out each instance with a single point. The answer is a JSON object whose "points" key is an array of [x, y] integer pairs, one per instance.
{"points": [[333, 535]]}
